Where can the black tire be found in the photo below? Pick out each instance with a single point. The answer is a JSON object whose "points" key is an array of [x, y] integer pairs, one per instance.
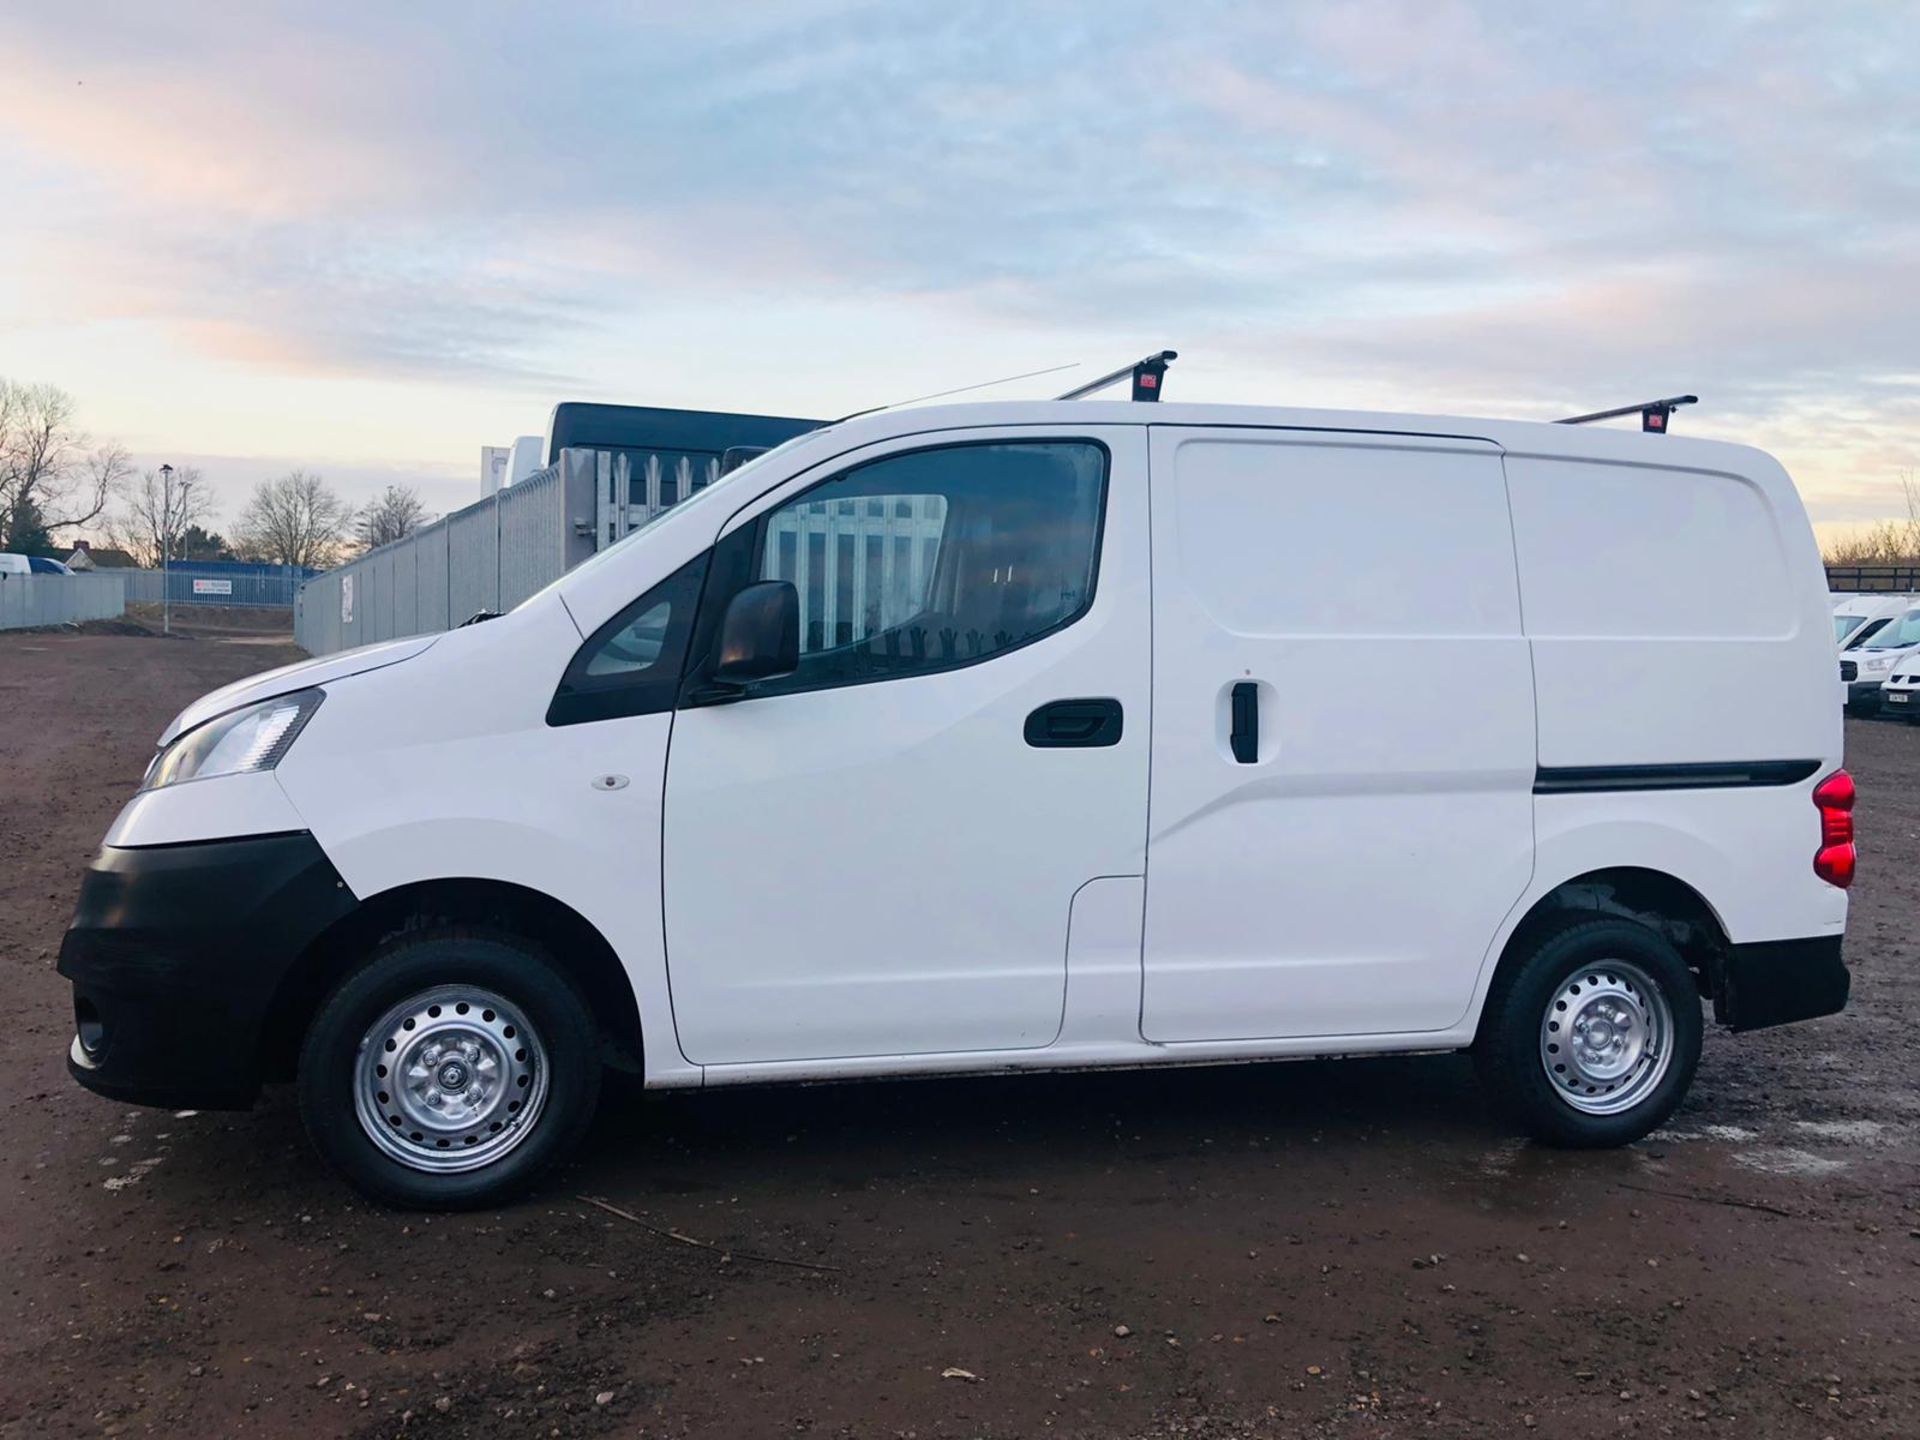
{"points": [[1508, 1050], [414, 964]]}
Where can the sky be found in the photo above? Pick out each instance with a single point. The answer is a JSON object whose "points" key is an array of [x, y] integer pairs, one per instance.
{"points": [[367, 239]]}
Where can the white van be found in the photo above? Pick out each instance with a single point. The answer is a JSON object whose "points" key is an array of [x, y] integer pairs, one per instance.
{"points": [[1901, 693], [12, 564], [1868, 663], [1857, 618], [1017, 736]]}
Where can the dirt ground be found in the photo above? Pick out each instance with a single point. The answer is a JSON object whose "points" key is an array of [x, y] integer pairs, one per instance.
{"points": [[217, 620], [1351, 1249]]}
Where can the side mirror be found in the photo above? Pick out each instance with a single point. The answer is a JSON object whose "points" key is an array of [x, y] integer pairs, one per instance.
{"points": [[760, 634]]}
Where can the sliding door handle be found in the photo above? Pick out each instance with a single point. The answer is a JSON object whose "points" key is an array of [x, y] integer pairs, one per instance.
{"points": [[1245, 735]]}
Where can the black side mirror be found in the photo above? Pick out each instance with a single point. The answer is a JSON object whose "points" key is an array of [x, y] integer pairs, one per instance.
{"points": [[760, 634]]}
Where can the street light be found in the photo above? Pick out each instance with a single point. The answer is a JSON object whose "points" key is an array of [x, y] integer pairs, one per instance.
{"points": [[166, 535]]}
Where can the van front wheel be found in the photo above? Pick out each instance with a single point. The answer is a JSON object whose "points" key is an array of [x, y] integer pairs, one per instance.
{"points": [[1593, 1038], [449, 1070]]}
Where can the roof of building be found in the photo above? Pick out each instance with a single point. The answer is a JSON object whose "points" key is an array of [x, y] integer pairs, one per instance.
{"points": [[88, 556]]}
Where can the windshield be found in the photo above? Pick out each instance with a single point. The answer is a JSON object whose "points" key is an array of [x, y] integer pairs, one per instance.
{"points": [[1897, 636], [1866, 632], [725, 485], [1845, 625]]}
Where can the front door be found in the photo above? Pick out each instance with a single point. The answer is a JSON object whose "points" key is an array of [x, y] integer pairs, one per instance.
{"points": [[1343, 735], [877, 854]]}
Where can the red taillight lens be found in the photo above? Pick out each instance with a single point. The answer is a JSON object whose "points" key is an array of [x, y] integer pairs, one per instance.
{"points": [[1834, 861]]}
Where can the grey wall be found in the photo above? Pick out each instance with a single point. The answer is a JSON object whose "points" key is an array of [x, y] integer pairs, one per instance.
{"points": [[56, 599], [489, 556]]}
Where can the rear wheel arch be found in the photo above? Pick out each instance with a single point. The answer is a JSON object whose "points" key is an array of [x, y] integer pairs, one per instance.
{"points": [[1665, 904], [577, 949]]}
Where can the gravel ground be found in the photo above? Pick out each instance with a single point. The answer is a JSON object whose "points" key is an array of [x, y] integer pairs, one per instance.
{"points": [[1350, 1249]]}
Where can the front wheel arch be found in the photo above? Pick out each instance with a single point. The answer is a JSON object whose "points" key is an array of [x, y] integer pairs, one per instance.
{"points": [[575, 947]]}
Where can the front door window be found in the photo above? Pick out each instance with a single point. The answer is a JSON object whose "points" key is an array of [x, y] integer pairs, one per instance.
{"points": [[938, 558]]}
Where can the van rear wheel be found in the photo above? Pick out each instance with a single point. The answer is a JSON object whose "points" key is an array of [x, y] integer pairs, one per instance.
{"points": [[1592, 1039], [449, 1070]]}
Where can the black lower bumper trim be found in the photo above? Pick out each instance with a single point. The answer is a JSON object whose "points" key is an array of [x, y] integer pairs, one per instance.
{"points": [[176, 953], [1776, 982]]}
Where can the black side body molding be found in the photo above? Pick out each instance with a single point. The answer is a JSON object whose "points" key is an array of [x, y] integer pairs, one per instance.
{"points": [[1713, 775]]}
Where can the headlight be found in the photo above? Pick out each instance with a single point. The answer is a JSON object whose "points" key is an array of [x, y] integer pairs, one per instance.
{"points": [[253, 737], [1875, 666]]}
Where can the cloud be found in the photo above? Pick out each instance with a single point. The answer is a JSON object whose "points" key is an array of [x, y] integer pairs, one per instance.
{"points": [[1390, 202]]}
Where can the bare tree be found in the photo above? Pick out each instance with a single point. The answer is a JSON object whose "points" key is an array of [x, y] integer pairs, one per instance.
{"points": [[50, 478], [297, 519], [394, 514], [1885, 542], [153, 516]]}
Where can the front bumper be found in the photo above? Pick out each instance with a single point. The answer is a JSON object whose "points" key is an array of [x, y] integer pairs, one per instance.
{"points": [[1865, 694], [1776, 982], [176, 954]]}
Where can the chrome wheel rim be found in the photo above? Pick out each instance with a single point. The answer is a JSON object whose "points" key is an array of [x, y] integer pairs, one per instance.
{"points": [[450, 1079], [1606, 1038]]}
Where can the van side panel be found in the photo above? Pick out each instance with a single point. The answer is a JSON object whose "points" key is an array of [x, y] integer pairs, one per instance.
{"points": [[1348, 878], [1678, 616]]}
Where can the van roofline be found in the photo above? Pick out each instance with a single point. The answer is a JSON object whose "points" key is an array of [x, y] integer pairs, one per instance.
{"points": [[1543, 436]]}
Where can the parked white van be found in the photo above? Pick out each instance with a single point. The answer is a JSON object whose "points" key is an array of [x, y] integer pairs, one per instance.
{"points": [[1859, 617], [1017, 736], [1866, 665], [1901, 692]]}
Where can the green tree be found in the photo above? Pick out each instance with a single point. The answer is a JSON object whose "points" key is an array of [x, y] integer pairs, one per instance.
{"points": [[201, 544], [26, 533]]}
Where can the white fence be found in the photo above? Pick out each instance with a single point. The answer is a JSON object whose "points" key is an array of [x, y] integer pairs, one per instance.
{"points": [[28, 600], [862, 566]]}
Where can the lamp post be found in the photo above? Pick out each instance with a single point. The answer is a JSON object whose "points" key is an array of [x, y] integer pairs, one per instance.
{"points": [[166, 537]]}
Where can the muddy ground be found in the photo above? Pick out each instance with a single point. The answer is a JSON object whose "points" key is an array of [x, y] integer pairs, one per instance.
{"points": [[1352, 1249]]}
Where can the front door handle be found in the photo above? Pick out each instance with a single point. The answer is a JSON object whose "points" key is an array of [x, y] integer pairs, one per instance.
{"points": [[1063, 723]]}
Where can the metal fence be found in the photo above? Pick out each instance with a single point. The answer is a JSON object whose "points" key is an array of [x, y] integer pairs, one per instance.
{"points": [[27, 600], [489, 556], [860, 565], [1867, 579], [270, 587]]}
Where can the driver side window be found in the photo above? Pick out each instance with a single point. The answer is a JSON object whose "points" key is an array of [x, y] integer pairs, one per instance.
{"points": [[937, 558]]}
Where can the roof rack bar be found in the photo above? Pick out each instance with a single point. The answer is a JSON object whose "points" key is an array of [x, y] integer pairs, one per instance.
{"points": [[1147, 375], [1654, 414]]}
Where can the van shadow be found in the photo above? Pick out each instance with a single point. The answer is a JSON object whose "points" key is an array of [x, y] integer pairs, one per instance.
{"points": [[1023, 1126]]}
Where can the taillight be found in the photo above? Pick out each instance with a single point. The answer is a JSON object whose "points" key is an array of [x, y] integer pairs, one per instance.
{"points": [[1834, 861]]}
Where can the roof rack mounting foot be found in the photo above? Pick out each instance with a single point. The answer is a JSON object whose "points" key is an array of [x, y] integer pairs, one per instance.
{"points": [[1147, 375], [1654, 414]]}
